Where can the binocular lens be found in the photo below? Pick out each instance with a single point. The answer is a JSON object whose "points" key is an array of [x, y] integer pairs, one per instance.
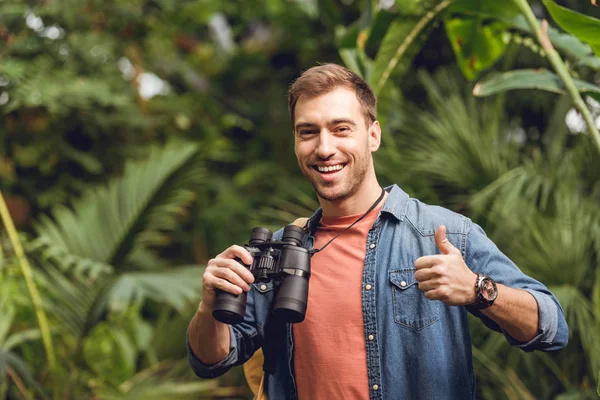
{"points": [[229, 308], [291, 301]]}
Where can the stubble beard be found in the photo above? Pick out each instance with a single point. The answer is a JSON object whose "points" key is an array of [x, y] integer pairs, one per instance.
{"points": [[347, 189]]}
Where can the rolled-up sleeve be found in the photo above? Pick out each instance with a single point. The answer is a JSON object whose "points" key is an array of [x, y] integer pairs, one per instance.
{"points": [[482, 255], [208, 371]]}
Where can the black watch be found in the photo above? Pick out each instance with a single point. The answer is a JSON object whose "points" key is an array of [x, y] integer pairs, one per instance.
{"points": [[486, 291]]}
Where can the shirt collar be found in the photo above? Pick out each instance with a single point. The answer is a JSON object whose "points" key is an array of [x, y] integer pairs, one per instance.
{"points": [[396, 205]]}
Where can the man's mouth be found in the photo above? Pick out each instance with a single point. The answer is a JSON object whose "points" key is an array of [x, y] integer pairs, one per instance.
{"points": [[324, 169]]}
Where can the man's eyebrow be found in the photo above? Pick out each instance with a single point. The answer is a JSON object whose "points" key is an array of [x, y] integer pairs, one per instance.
{"points": [[305, 125], [335, 121], [341, 121]]}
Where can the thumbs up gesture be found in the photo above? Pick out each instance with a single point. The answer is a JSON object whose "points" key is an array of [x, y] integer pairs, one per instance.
{"points": [[445, 276]]}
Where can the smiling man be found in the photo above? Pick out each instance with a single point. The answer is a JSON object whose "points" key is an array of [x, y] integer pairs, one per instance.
{"points": [[392, 279]]}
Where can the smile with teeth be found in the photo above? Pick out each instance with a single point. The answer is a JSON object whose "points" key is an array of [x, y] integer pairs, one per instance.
{"points": [[329, 168]]}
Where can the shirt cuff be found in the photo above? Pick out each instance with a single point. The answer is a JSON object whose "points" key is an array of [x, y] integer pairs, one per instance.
{"points": [[208, 371], [547, 322]]}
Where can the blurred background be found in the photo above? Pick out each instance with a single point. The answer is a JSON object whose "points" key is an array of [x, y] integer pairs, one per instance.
{"points": [[139, 138]]}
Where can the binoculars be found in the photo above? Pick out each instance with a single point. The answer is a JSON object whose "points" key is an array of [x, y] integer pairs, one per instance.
{"points": [[283, 261]]}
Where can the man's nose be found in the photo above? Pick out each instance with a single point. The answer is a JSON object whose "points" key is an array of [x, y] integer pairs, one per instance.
{"points": [[326, 145]]}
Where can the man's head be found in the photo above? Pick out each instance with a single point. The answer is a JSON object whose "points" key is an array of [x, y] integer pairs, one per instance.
{"points": [[335, 133], [323, 79]]}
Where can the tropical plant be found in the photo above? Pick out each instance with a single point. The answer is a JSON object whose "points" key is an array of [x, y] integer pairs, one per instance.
{"points": [[101, 275]]}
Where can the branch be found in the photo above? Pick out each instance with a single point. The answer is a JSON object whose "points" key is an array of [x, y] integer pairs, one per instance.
{"points": [[18, 383], [27, 274], [559, 66]]}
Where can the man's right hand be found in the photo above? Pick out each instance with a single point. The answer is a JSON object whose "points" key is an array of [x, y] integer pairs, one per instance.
{"points": [[209, 338], [224, 272]]}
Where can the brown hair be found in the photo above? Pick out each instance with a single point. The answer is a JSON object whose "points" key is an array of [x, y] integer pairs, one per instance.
{"points": [[326, 77]]}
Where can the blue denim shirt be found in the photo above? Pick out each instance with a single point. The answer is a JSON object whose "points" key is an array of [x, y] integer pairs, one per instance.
{"points": [[416, 348]]}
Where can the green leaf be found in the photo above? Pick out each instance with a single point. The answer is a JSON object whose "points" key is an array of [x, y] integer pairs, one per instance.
{"points": [[177, 287], [379, 27], [566, 43], [583, 26], [507, 9], [528, 79], [395, 54], [111, 222], [414, 8], [403, 40], [476, 46]]}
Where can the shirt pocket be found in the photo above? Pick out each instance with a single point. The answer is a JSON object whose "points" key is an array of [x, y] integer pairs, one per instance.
{"points": [[412, 309], [264, 287]]}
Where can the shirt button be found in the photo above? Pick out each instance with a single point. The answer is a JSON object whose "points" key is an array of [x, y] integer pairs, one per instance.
{"points": [[372, 246], [371, 337], [368, 287], [403, 283], [375, 387], [263, 287]]}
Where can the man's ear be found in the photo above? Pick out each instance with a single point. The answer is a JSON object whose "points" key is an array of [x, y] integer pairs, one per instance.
{"points": [[375, 136]]}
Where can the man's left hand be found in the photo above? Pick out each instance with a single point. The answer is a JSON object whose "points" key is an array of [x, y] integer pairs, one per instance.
{"points": [[446, 277]]}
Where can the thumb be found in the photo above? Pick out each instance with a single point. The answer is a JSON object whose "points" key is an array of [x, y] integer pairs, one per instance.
{"points": [[442, 241]]}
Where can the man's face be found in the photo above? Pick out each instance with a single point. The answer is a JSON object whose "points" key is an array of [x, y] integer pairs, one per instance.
{"points": [[333, 143]]}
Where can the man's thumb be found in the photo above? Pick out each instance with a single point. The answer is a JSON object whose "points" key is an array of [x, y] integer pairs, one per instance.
{"points": [[442, 241]]}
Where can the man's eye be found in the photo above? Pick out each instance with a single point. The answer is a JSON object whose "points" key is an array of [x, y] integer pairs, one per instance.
{"points": [[343, 129], [307, 132]]}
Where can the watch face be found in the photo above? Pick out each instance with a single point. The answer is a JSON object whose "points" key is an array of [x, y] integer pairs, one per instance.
{"points": [[488, 290]]}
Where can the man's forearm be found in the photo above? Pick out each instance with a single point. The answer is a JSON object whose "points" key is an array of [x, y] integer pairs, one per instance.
{"points": [[208, 338], [516, 311]]}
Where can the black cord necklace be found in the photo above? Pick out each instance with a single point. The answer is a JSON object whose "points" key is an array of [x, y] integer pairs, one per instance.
{"points": [[314, 251]]}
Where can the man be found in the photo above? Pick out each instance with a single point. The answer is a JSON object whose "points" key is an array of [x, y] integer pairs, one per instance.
{"points": [[388, 297]]}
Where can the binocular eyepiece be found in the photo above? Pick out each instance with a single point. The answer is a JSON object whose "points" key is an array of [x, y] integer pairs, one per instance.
{"points": [[284, 261]]}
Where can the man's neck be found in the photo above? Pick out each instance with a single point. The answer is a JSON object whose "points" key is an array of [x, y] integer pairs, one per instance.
{"points": [[356, 204]]}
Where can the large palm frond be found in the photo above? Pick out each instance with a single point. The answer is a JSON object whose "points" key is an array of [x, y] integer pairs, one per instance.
{"points": [[108, 239], [136, 210]]}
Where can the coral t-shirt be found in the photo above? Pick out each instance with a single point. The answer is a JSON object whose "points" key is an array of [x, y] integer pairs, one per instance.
{"points": [[330, 357]]}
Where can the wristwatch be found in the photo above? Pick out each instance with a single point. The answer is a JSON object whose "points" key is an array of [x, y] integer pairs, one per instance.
{"points": [[486, 291]]}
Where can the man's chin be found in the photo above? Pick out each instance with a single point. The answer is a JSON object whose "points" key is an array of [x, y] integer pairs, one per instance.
{"points": [[331, 194]]}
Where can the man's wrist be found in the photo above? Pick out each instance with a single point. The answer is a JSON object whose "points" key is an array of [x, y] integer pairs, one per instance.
{"points": [[472, 289], [204, 309]]}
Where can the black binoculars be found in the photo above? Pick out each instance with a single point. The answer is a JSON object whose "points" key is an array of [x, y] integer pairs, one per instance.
{"points": [[285, 262]]}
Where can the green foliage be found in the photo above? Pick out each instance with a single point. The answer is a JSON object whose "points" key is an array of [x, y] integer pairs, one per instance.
{"points": [[529, 79], [477, 46], [581, 26]]}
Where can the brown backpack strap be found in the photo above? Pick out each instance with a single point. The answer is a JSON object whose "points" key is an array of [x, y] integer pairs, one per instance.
{"points": [[301, 222]]}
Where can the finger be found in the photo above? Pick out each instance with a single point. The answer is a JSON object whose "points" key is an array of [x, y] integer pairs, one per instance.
{"points": [[442, 241], [426, 274], [437, 294], [237, 251], [224, 285], [233, 265], [427, 261], [428, 285], [232, 277]]}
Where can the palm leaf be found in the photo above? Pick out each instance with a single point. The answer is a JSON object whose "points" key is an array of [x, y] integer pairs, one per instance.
{"points": [[177, 287], [109, 223]]}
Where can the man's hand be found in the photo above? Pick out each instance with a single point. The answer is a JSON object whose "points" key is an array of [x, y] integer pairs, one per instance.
{"points": [[446, 277], [226, 273], [209, 338]]}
